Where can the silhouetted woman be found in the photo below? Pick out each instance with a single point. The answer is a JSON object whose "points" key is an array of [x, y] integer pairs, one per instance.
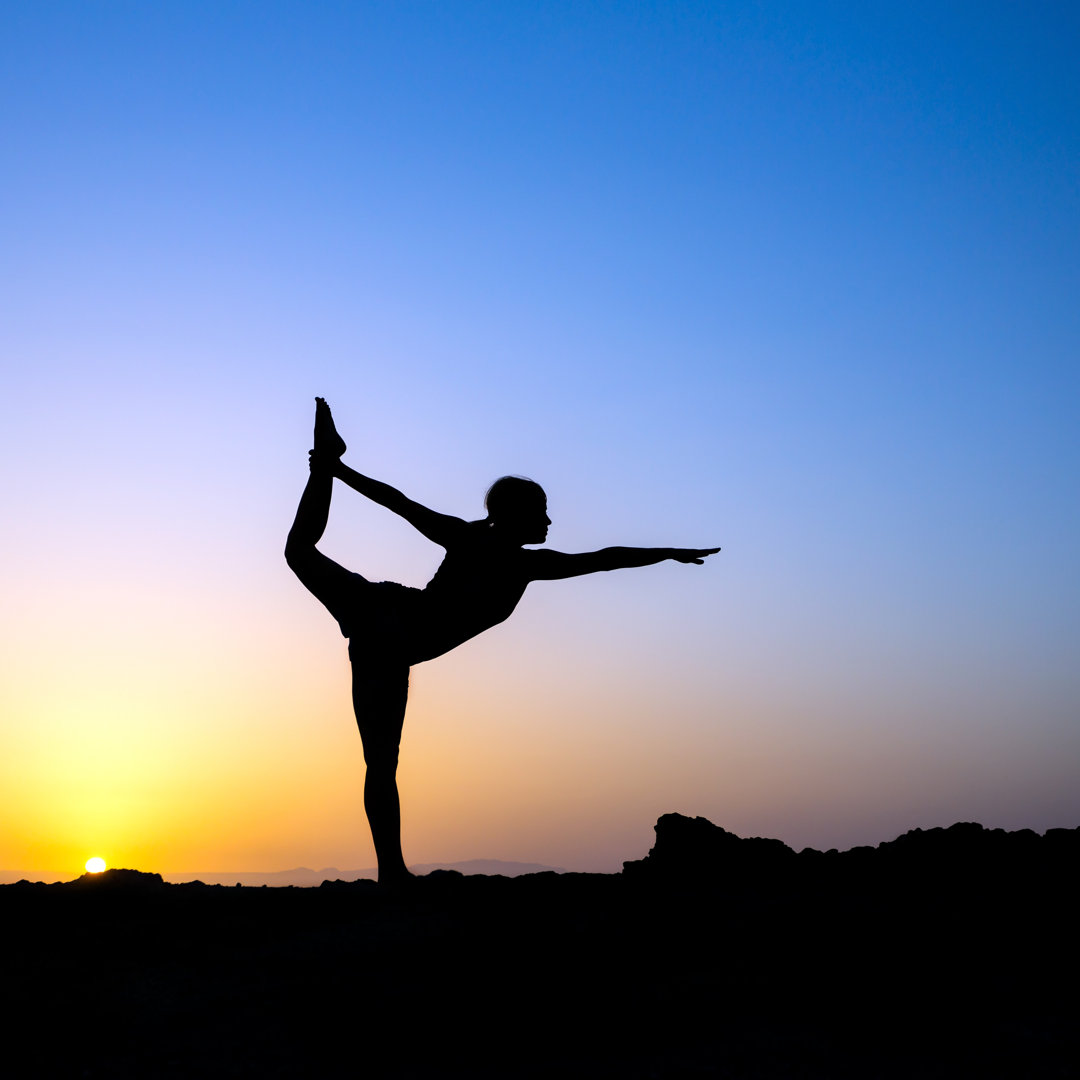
{"points": [[390, 627]]}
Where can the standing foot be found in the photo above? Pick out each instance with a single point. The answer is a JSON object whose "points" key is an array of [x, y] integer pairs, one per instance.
{"points": [[395, 882], [328, 443]]}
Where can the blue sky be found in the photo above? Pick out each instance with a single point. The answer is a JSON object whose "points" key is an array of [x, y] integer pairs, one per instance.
{"points": [[797, 279]]}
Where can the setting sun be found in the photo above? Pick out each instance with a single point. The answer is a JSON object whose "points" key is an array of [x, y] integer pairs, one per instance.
{"points": [[95, 865]]}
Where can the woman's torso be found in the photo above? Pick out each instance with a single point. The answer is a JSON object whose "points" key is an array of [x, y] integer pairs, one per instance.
{"points": [[477, 585]]}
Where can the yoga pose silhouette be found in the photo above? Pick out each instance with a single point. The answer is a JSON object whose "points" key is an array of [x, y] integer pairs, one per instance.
{"points": [[390, 627]]}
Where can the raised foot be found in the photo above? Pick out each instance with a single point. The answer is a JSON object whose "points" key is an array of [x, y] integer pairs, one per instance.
{"points": [[328, 443]]}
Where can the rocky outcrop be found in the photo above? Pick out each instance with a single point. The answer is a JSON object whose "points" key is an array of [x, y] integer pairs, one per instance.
{"points": [[694, 849], [963, 857], [119, 881]]}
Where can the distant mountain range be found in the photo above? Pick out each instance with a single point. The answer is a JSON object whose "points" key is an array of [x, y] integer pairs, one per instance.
{"points": [[303, 876]]}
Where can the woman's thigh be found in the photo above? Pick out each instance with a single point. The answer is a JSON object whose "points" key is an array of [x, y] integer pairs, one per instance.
{"points": [[339, 590], [380, 693]]}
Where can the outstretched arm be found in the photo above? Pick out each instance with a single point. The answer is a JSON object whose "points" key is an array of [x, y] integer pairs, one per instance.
{"points": [[439, 528], [550, 565]]}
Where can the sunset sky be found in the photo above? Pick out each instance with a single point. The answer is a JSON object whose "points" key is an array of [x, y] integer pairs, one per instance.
{"points": [[797, 279]]}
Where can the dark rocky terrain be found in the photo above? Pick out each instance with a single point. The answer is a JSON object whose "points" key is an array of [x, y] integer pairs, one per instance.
{"points": [[945, 953]]}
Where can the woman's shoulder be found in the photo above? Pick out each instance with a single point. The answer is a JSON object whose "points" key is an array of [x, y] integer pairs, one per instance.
{"points": [[471, 540], [477, 541], [475, 532]]}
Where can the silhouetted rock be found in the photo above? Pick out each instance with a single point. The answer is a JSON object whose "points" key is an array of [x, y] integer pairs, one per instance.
{"points": [[445, 875], [119, 880], [358, 885], [694, 849]]}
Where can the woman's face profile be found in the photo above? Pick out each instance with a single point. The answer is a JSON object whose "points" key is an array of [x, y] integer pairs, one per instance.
{"points": [[527, 521]]}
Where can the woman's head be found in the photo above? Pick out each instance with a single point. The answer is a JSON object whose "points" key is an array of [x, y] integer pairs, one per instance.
{"points": [[519, 506]]}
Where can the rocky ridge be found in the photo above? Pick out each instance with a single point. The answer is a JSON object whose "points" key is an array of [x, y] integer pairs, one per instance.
{"points": [[943, 953]]}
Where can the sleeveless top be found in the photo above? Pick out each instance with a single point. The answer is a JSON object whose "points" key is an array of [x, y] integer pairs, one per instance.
{"points": [[477, 585]]}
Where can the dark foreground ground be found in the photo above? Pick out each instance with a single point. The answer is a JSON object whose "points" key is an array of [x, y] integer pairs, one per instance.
{"points": [[948, 953]]}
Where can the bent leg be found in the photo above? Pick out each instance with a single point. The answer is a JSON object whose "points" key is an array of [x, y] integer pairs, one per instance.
{"points": [[380, 694], [339, 590], [320, 574], [311, 515]]}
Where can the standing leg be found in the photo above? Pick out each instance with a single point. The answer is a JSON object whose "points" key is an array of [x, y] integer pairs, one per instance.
{"points": [[380, 694]]}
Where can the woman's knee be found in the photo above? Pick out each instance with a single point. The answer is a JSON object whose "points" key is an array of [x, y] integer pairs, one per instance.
{"points": [[381, 760], [298, 554]]}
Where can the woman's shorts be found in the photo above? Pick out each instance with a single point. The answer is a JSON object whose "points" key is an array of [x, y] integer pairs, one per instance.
{"points": [[381, 618]]}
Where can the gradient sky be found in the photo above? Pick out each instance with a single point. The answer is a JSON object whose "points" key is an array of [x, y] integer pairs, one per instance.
{"points": [[799, 279]]}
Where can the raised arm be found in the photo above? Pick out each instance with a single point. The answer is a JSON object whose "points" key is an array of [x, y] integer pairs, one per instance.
{"points": [[550, 565], [439, 528]]}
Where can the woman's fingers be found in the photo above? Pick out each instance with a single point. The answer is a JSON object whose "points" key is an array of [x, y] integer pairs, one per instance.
{"points": [[697, 556]]}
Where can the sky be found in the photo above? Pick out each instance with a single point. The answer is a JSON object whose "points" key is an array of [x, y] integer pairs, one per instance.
{"points": [[796, 279]]}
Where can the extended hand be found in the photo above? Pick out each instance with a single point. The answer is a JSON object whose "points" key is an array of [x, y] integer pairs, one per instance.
{"points": [[692, 555]]}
